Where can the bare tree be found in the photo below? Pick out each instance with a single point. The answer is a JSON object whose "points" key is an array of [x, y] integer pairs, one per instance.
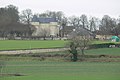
{"points": [[116, 28], [26, 17], [84, 21], [74, 21], [107, 25], [63, 24], [82, 42], [79, 43], [43, 32], [93, 24], [59, 15], [80, 39]]}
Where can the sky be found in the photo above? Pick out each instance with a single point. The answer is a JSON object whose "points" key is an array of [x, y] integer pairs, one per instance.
{"points": [[96, 8]]}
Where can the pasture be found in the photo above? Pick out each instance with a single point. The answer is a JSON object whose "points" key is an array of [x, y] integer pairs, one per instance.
{"points": [[37, 70], [30, 44], [34, 44], [57, 68], [32, 68], [105, 51]]}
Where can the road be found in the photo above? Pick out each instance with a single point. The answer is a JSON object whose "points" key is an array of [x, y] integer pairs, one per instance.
{"points": [[32, 51]]}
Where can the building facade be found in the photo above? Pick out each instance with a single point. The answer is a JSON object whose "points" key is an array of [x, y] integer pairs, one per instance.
{"points": [[45, 27]]}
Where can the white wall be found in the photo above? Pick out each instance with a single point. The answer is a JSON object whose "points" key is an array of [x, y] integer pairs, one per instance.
{"points": [[51, 28]]}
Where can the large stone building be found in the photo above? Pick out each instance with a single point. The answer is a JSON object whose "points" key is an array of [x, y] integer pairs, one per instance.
{"points": [[45, 27]]}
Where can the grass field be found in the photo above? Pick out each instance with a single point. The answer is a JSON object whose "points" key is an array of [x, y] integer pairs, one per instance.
{"points": [[36, 70], [105, 51], [30, 44], [100, 42]]}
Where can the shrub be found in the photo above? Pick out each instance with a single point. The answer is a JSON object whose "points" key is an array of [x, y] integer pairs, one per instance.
{"points": [[104, 45]]}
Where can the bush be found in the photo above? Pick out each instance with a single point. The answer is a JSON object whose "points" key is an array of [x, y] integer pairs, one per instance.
{"points": [[104, 45], [2, 64]]}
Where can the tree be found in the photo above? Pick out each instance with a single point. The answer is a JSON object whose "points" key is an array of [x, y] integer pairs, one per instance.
{"points": [[107, 25], [26, 17], [52, 14], [78, 43], [73, 50], [84, 21], [82, 42], [13, 13], [80, 39], [116, 29], [74, 21], [43, 32], [8, 16], [64, 23], [93, 24]]}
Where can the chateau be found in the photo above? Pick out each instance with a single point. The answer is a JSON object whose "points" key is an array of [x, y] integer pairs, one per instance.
{"points": [[45, 26]]}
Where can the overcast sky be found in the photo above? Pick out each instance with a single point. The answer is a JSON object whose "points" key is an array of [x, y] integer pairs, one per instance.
{"points": [[96, 8]]}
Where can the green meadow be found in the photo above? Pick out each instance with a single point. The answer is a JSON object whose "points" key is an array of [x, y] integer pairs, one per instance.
{"points": [[32, 68], [37, 70], [30, 44], [105, 51], [33, 44], [53, 68]]}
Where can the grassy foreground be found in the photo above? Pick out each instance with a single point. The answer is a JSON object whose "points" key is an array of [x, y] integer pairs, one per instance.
{"points": [[30, 44], [36, 70]]}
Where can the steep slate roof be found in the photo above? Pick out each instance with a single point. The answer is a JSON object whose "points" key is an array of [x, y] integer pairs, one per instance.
{"points": [[43, 20], [68, 29]]}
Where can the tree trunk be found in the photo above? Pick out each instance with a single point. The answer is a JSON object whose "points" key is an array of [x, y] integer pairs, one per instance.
{"points": [[75, 57], [82, 50]]}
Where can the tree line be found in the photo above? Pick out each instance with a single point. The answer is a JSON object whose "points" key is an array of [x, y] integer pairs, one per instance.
{"points": [[13, 23], [10, 24]]}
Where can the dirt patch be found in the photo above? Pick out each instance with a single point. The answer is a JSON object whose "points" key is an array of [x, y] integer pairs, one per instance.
{"points": [[12, 74]]}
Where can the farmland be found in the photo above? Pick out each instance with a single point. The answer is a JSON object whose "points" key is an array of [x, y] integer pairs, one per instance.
{"points": [[56, 69], [105, 51], [55, 65], [36, 70], [34, 44], [30, 44]]}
